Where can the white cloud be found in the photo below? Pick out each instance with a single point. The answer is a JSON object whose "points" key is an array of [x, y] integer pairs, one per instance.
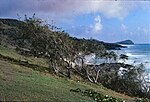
{"points": [[63, 8], [138, 28], [97, 27], [92, 29], [124, 28], [131, 33], [110, 9], [143, 30]]}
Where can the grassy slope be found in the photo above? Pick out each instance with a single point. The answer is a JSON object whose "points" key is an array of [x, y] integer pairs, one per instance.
{"points": [[22, 83], [13, 54]]}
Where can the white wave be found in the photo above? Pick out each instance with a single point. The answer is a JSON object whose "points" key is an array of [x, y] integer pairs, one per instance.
{"points": [[126, 45], [134, 55]]}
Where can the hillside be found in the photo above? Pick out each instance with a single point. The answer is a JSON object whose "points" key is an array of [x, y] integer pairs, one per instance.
{"points": [[22, 83], [127, 42], [54, 55], [19, 83], [12, 29]]}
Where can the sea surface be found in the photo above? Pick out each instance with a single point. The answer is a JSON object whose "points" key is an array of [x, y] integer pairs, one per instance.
{"points": [[138, 53]]}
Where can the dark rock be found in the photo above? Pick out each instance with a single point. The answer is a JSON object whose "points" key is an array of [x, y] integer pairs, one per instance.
{"points": [[127, 42]]}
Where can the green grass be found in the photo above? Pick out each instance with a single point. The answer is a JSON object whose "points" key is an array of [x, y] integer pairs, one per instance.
{"points": [[20, 83], [13, 54], [23, 84]]}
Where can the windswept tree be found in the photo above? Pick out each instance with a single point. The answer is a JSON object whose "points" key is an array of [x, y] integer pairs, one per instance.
{"points": [[93, 72], [109, 56], [113, 56], [123, 57], [54, 45], [61, 50]]}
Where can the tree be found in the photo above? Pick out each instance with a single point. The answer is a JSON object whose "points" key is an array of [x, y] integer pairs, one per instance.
{"points": [[109, 56], [48, 41], [4, 40], [92, 72], [124, 57], [113, 56], [44, 42]]}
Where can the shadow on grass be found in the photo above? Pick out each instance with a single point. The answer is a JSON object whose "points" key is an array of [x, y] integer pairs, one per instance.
{"points": [[25, 63]]}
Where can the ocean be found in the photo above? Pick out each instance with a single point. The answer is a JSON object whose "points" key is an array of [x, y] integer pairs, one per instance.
{"points": [[138, 53]]}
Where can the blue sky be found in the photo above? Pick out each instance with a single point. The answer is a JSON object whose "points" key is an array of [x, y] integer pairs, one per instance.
{"points": [[106, 20]]}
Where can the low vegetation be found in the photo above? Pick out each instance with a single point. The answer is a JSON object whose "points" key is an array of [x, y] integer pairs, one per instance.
{"points": [[96, 95], [35, 44], [20, 83]]}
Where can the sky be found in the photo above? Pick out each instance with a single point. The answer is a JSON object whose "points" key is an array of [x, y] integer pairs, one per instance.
{"points": [[105, 20]]}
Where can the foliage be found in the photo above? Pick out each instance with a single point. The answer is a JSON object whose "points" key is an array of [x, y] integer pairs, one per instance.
{"points": [[36, 38], [20, 83], [8, 53], [99, 97], [124, 57], [88, 46], [129, 79], [96, 95], [48, 41], [141, 100], [61, 50]]}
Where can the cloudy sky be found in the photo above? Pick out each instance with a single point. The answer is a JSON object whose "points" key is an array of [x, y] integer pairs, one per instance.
{"points": [[107, 20]]}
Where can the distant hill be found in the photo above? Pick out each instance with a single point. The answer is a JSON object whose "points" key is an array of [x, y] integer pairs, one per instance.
{"points": [[128, 42], [10, 22]]}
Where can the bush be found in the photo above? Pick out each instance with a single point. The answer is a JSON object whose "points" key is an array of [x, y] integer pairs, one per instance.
{"points": [[96, 95]]}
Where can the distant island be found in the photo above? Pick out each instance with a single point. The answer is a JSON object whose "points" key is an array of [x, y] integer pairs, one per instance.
{"points": [[127, 42]]}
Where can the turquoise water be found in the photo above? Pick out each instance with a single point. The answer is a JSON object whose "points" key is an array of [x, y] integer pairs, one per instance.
{"points": [[138, 53]]}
